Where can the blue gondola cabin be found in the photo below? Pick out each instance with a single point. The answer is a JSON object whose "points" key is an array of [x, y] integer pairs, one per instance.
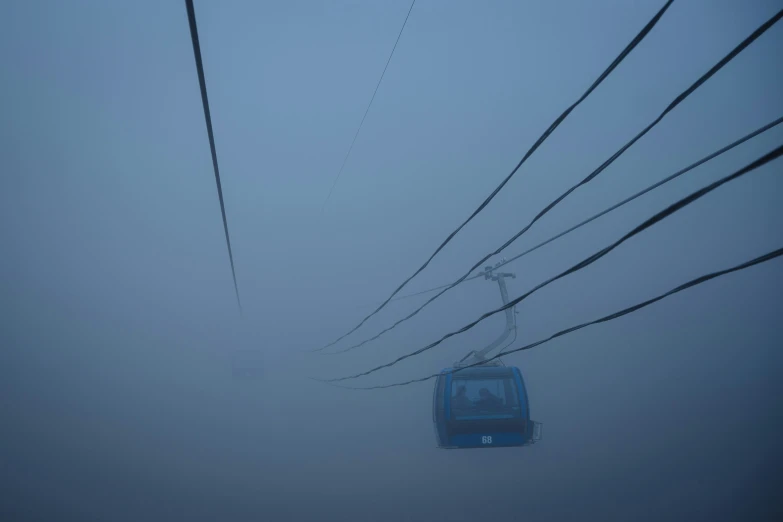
{"points": [[482, 407]]}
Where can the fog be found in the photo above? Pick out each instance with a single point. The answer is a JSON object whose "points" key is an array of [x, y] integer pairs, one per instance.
{"points": [[118, 320]]}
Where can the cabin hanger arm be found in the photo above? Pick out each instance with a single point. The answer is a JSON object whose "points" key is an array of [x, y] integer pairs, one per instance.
{"points": [[477, 357]]}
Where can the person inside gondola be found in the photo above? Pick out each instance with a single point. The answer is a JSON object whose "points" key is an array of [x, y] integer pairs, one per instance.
{"points": [[488, 401], [460, 400]]}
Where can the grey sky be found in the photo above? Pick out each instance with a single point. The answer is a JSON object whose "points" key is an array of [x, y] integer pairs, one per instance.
{"points": [[117, 308]]}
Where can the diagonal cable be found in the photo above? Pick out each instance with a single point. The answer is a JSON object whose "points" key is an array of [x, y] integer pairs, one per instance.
{"points": [[660, 216], [679, 99], [693, 282], [205, 101], [345, 160], [639, 37], [627, 200]]}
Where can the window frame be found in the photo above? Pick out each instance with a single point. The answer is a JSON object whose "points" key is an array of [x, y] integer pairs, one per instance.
{"points": [[512, 407]]}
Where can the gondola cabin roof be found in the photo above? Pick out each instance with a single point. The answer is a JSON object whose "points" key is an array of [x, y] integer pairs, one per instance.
{"points": [[480, 371]]}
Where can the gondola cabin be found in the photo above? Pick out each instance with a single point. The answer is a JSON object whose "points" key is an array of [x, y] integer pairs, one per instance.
{"points": [[482, 407]]}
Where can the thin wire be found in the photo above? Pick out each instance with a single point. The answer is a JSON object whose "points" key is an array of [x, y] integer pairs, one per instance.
{"points": [[639, 37], [205, 101], [408, 296], [660, 216], [694, 282], [679, 99], [620, 204], [345, 160]]}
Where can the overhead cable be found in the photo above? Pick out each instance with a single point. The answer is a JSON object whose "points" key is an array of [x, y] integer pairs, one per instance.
{"points": [[205, 101], [663, 214], [639, 37], [345, 160], [706, 76], [693, 282], [429, 290], [627, 200]]}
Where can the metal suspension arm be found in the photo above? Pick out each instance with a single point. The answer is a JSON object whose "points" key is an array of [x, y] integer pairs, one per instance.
{"points": [[509, 318], [481, 355]]}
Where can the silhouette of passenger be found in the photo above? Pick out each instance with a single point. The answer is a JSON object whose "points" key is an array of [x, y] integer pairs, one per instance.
{"points": [[488, 401], [460, 400]]}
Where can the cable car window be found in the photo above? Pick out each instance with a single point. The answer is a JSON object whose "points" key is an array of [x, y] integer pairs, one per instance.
{"points": [[489, 398]]}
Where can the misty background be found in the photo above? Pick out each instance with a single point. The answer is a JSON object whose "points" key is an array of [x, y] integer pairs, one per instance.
{"points": [[117, 314]]}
